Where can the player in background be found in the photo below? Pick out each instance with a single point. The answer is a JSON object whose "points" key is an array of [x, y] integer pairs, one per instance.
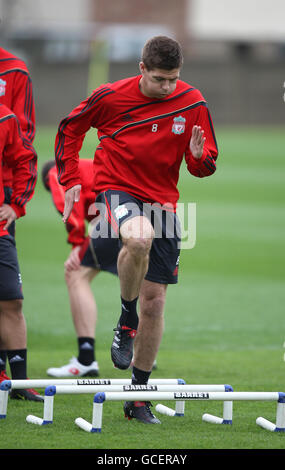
{"points": [[22, 160], [16, 93], [146, 125], [78, 278]]}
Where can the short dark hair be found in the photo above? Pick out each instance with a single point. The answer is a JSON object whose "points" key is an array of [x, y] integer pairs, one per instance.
{"points": [[45, 171], [162, 52]]}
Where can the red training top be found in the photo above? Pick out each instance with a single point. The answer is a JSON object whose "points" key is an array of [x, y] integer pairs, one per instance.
{"points": [[142, 140], [21, 158]]}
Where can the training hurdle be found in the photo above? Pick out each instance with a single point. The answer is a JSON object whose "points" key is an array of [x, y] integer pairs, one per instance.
{"points": [[52, 390], [101, 397], [8, 385]]}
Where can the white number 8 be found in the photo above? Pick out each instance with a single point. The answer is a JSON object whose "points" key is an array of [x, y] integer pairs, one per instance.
{"points": [[154, 128]]}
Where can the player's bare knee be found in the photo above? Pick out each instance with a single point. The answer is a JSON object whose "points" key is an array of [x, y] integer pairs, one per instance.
{"points": [[74, 277], [153, 306], [11, 306], [138, 247], [137, 234]]}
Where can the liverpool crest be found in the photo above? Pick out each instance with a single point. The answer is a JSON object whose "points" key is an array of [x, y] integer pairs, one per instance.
{"points": [[2, 87], [178, 126]]}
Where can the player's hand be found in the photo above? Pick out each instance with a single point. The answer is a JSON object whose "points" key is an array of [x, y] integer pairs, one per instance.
{"points": [[72, 195], [197, 142], [73, 261], [7, 213]]}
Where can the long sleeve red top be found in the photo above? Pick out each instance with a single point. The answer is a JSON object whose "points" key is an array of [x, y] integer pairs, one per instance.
{"points": [[142, 140]]}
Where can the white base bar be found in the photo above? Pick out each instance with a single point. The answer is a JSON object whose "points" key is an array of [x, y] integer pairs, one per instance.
{"points": [[34, 420], [212, 419], [164, 410], [83, 424], [264, 423]]}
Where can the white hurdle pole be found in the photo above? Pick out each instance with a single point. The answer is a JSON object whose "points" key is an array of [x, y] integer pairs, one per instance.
{"points": [[43, 383], [71, 389], [3, 403], [101, 397], [52, 390], [8, 385]]}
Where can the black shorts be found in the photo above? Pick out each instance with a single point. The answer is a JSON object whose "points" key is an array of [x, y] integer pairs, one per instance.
{"points": [[104, 245], [10, 276]]}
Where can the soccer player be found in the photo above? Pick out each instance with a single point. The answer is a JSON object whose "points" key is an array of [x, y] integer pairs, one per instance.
{"points": [[146, 125], [16, 93], [77, 276], [21, 158]]}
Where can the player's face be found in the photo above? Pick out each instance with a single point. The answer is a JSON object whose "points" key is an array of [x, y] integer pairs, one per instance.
{"points": [[158, 83]]}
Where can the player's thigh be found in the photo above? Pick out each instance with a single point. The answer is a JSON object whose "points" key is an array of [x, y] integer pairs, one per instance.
{"points": [[125, 215]]}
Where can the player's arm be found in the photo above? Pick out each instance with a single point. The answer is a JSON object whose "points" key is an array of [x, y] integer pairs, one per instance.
{"points": [[72, 195], [197, 142], [76, 221], [23, 104], [69, 139], [68, 143], [7, 213], [21, 156], [202, 153]]}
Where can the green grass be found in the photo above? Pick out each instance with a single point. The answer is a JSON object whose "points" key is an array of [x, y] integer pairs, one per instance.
{"points": [[224, 319]]}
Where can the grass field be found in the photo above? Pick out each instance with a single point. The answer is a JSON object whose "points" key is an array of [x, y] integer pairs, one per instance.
{"points": [[224, 320]]}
